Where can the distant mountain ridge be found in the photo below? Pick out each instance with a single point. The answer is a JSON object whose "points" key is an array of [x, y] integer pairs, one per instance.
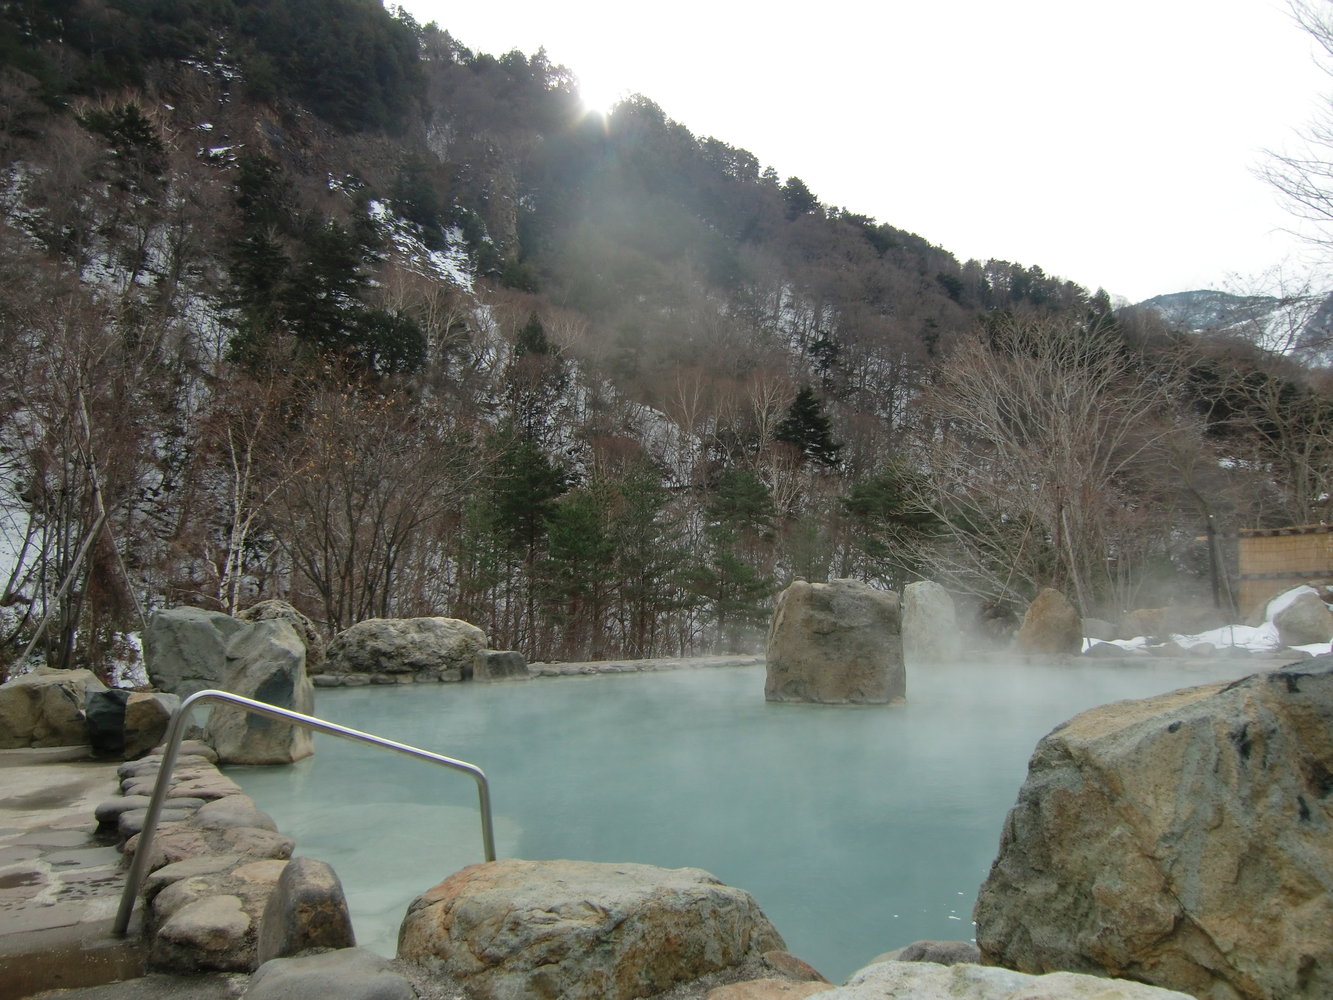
{"points": [[1298, 324]]}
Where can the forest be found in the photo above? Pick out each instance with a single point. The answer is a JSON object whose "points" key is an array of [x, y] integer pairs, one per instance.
{"points": [[302, 299]]}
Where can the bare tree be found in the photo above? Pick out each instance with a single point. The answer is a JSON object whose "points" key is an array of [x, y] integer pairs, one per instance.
{"points": [[1039, 465], [1304, 177], [358, 500]]}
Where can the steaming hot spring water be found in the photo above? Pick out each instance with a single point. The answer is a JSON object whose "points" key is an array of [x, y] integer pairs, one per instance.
{"points": [[856, 828]]}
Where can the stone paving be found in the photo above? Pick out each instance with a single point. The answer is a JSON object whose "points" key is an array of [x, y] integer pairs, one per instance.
{"points": [[59, 884]]}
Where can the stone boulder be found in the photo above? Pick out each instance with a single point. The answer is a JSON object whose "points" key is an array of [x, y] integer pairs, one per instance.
{"points": [[1051, 626], [307, 910], [927, 981], [940, 952], [1182, 840], [267, 663], [428, 648], [579, 930], [1305, 621], [499, 665], [315, 646], [185, 649], [346, 974], [836, 643], [930, 624], [45, 708], [768, 989], [104, 714], [147, 716], [1149, 622], [1102, 631]]}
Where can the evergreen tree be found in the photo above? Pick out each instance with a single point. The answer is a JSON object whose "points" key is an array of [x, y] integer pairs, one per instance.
{"points": [[806, 427], [733, 582]]}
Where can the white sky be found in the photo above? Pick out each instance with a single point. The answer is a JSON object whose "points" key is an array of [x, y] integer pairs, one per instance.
{"points": [[1112, 144]]}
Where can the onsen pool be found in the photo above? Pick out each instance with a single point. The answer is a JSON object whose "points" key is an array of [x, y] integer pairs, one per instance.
{"points": [[857, 829]]}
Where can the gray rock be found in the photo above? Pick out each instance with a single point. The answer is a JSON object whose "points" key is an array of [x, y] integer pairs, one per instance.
{"points": [[927, 981], [1181, 840], [131, 821], [233, 811], [497, 665], [346, 974], [267, 663], [582, 931], [1304, 622], [45, 708], [1050, 626], [836, 643], [184, 649], [930, 624], [315, 646], [1108, 651], [306, 910], [421, 646], [939, 952]]}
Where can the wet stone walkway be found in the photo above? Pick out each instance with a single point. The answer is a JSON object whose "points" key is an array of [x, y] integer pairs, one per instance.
{"points": [[59, 884]]}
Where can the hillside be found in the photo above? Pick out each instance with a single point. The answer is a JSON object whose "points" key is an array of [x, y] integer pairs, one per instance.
{"points": [[333, 309], [1299, 325]]}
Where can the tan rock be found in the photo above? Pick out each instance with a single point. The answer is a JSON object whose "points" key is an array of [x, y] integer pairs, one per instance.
{"points": [[45, 708], [1182, 840], [1051, 626], [147, 715], [768, 989], [208, 933], [578, 930], [835, 643], [790, 967]]}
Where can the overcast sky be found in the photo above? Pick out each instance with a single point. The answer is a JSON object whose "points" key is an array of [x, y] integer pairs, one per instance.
{"points": [[1112, 144]]}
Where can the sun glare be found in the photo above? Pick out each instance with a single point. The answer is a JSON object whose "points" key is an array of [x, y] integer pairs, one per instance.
{"points": [[598, 96]]}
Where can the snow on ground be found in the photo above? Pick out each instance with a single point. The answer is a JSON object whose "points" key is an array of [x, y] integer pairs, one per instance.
{"points": [[1255, 638]]}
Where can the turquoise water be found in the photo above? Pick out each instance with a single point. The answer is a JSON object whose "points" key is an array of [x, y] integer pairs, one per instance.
{"points": [[857, 829]]}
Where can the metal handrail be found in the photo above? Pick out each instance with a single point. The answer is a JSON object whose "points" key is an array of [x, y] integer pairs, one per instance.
{"points": [[174, 733]]}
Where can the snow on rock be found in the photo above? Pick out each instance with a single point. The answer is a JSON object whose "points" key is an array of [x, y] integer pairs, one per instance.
{"points": [[1257, 639]]}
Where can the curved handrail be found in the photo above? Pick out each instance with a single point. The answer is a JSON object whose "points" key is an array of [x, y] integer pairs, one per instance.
{"points": [[177, 728]]}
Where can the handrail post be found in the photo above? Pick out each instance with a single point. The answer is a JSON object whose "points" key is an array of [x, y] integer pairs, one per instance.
{"points": [[134, 879]]}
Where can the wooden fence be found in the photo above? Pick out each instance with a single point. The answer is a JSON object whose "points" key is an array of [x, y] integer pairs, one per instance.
{"points": [[1272, 560]]}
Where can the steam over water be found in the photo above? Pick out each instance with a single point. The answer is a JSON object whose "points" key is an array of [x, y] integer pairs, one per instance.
{"points": [[857, 829]]}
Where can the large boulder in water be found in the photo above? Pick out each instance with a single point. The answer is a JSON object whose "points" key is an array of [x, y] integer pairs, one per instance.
{"points": [[315, 646], [1051, 625], [837, 643], [45, 708], [930, 624], [580, 930], [427, 648], [267, 663], [1184, 840], [185, 649]]}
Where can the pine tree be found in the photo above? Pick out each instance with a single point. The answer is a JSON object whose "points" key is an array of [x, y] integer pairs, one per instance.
{"points": [[806, 427]]}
